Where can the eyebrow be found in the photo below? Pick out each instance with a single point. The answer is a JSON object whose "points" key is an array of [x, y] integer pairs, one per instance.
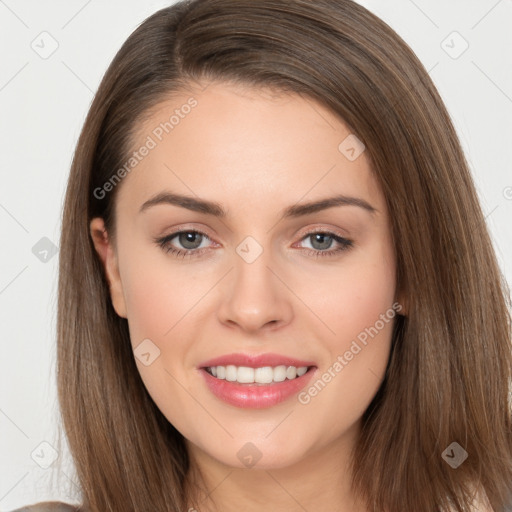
{"points": [[215, 209]]}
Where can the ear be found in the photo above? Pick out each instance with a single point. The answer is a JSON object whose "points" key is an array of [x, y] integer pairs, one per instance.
{"points": [[108, 257], [402, 299]]}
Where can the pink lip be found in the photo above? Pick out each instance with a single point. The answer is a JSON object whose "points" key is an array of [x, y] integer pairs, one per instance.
{"points": [[255, 396], [255, 361]]}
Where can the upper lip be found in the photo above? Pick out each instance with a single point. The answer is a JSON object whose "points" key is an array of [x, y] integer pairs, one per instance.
{"points": [[255, 361]]}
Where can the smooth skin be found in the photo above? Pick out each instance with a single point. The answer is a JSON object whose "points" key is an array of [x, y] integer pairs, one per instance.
{"points": [[255, 153]]}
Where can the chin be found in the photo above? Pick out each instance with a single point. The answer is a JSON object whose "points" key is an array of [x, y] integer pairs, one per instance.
{"points": [[255, 455]]}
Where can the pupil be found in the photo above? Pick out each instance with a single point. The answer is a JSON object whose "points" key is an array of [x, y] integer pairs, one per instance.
{"points": [[322, 238], [188, 238]]}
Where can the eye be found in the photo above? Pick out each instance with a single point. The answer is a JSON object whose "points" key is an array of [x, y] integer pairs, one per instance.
{"points": [[188, 239], [321, 240], [191, 241]]}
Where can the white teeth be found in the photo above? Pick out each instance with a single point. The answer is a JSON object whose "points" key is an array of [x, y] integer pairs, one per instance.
{"points": [[301, 371], [245, 375], [291, 372], [263, 375], [280, 373], [231, 373]]}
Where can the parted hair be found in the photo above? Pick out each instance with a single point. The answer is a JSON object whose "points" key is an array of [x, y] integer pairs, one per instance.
{"points": [[449, 372]]}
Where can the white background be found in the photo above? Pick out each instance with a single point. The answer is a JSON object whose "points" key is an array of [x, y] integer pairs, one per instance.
{"points": [[43, 105]]}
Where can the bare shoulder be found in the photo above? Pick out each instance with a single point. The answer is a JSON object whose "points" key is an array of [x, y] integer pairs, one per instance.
{"points": [[49, 506]]}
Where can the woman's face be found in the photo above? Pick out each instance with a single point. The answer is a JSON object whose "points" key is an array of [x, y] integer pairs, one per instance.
{"points": [[257, 279]]}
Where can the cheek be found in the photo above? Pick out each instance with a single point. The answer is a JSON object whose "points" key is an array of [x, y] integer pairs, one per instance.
{"points": [[158, 295], [352, 296], [356, 304], [150, 306]]}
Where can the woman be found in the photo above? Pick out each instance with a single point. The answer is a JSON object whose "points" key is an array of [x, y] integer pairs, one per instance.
{"points": [[250, 370]]}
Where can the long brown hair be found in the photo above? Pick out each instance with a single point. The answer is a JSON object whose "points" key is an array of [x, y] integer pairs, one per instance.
{"points": [[450, 369]]}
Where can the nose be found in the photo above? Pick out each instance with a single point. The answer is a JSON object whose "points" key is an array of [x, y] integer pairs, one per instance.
{"points": [[255, 295]]}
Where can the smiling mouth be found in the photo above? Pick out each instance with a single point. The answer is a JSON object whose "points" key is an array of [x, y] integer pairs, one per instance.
{"points": [[261, 376]]}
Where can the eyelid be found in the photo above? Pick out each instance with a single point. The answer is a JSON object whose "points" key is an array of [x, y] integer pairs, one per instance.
{"points": [[186, 228], [343, 242], [301, 233], [323, 229]]}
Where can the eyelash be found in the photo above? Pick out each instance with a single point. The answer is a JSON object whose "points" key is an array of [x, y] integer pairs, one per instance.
{"points": [[164, 243]]}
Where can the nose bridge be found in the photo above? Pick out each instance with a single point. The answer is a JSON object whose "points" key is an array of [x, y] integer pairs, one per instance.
{"points": [[252, 263], [255, 296]]}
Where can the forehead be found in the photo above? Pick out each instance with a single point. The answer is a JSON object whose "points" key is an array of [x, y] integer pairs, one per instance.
{"points": [[245, 145]]}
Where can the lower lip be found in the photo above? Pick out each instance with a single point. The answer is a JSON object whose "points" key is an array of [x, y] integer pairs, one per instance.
{"points": [[254, 396]]}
